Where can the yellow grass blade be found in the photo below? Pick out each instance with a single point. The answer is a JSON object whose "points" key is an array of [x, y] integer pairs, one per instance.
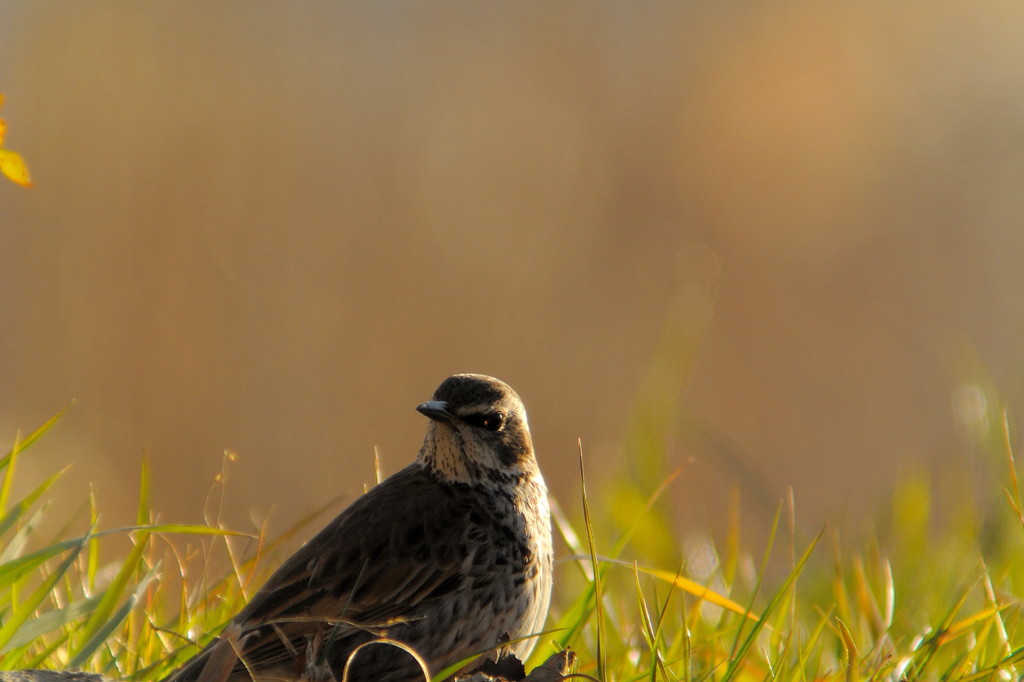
{"points": [[696, 589]]}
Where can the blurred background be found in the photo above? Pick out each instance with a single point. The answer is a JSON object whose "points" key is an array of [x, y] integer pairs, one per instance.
{"points": [[779, 243]]}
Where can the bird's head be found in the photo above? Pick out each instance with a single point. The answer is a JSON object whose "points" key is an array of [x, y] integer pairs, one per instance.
{"points": [[478, 431]]}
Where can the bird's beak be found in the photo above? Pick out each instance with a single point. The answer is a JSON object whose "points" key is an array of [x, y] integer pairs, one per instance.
{"points": [[436, 410]]}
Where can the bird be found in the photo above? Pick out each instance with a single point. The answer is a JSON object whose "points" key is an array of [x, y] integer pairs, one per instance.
{"points": [[449, 557]]}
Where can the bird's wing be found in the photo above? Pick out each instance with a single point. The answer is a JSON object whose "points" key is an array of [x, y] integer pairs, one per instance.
{"points": [[373, 566]]}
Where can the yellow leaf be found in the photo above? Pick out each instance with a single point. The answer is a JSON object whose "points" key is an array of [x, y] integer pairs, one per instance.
{"points": [[852, 670], [3, 129], [696, 589], [13, 166], [958, 628]]}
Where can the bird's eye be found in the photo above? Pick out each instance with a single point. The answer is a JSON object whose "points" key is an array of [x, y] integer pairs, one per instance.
{"points": [[492, 421]]}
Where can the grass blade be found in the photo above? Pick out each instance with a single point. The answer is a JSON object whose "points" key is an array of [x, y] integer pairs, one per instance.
{"points": [[12, 515], [737, 658], [51, 621], [24, 444], [26, 609], [695, 588], [107, 626], [602, 665]]}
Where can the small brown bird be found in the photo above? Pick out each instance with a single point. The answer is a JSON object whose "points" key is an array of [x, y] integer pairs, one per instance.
{"points": [[450, 556]]}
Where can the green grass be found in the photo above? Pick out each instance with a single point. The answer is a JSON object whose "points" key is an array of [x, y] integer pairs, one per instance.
{"points": [[915, 599]]}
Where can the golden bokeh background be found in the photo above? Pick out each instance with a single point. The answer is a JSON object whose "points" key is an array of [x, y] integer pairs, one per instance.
{"points": [[275, 227]]}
